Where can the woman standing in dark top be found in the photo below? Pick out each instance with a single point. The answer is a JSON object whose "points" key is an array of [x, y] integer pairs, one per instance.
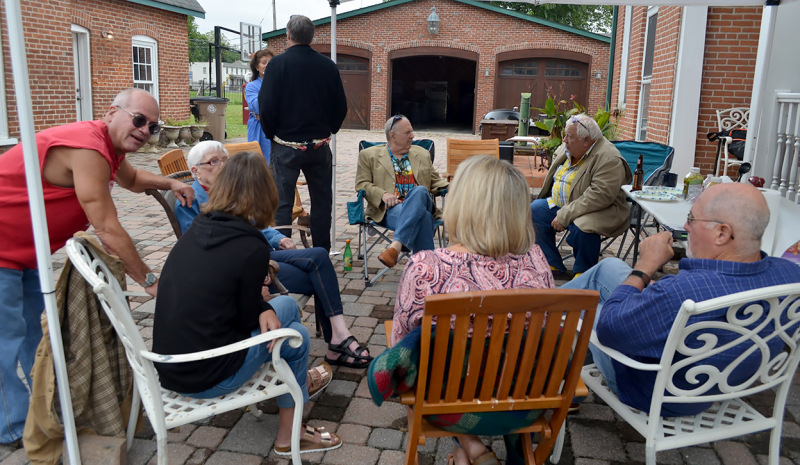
{"points": [[212, 296]]}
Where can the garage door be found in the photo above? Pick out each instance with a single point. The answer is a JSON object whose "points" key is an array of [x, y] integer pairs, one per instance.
{"points": [[563, 78], [355, 77]]}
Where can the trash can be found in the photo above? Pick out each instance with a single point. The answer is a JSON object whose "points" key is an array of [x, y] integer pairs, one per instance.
{"points": [[210, 110], [507, 151]]}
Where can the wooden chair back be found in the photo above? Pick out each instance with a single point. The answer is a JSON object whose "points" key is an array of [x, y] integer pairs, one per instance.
{"points": [[504, 364], [172, 162], [459, 150], [233, 149], [167, 199]]}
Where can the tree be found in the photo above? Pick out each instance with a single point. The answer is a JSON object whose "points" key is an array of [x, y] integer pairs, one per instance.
{"points": [[593, 18], [198, 45]]}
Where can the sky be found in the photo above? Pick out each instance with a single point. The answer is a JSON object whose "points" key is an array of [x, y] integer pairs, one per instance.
{"points": [[228, 13]]}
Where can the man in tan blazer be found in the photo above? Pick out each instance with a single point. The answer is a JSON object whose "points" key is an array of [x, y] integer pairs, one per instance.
{"points": [[581, 193], [398, 179]]}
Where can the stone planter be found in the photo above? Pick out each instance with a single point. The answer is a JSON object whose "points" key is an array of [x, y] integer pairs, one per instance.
{"points": [[171, 133], [152, 142], [184, 133], [197, 132]]}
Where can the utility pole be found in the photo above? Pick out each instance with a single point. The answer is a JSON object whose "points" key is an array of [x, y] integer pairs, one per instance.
{"points": [[274, 17]]}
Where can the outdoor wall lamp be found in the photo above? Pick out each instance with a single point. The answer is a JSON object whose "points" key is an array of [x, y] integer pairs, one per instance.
{"points": [[433, 22], [379, 69], [108, 34]]}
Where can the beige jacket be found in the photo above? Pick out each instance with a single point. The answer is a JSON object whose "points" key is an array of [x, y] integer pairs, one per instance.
{"points": [[596, 202], [375, 175]]}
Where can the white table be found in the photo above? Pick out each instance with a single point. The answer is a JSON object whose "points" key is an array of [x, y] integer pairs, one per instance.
{"points": [[781, 233], [532, 139]]}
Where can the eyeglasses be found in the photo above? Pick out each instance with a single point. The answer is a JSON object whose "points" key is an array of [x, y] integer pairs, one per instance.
{"points": [[576, 120], [213, 162], [690, 218], [395, 119], [140, 120]]}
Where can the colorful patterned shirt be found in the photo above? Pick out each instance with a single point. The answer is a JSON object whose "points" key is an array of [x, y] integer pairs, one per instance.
{"points": [[404, 177], [444, 271], [562, 181]]}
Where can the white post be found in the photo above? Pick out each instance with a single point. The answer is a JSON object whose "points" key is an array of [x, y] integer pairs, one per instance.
{"points": [[333, 4], [33, 176], [765, 39]]}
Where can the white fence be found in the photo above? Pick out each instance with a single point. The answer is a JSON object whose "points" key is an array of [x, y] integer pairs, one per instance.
{"points": [[787, 156]]}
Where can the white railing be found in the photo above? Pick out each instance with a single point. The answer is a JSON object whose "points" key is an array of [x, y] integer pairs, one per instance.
{"points": [[787, 155]]}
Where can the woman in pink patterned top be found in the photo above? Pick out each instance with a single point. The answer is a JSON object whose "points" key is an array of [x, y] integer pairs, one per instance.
{"points": [[488, 218]]}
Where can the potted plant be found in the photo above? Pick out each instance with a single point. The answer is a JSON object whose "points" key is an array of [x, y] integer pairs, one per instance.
{"points": [[184, 131]]}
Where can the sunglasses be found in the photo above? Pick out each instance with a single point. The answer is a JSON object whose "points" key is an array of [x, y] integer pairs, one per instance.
{"points": [[690, 218], [395, 119], [140, 120], [576, 120]]}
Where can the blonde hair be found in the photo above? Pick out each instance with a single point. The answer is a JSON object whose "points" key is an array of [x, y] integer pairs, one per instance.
{"points": [[488, 208], [244, 188]]}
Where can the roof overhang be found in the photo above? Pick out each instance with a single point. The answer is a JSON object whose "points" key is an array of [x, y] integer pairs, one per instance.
{"points": [[200, 13]]}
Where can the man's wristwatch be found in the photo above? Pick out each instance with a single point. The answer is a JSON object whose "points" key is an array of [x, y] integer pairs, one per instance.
{"points": [[641, 275], [149, 280]]}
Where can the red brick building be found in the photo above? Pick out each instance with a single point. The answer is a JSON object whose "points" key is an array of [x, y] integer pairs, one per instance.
{"points": [[82, 52], [675, 66], [481, 58]]}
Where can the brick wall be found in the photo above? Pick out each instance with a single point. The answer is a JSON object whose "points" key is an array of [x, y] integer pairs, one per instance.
{"points": [[462, 27], [728, 71], [48, 42]]}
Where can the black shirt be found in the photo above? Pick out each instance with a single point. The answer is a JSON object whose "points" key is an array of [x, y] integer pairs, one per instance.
{"points": [[302, 97]]}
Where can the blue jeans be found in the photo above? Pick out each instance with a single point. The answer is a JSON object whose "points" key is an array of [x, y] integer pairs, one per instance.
{"points": [[586, 246], [604, 278], [286, 309], [21, 305], [310, 271], [412, 220]]}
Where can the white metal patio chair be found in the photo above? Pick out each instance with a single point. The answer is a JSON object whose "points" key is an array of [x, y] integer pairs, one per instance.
{"points": [[748, 321], [732, 118], [167, 409]]}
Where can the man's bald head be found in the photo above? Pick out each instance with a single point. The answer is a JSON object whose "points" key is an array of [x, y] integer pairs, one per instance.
{"points": [[743, 207], [124, 98]]}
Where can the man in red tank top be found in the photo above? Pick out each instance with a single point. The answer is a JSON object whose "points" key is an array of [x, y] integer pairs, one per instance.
{"points": [[79, 162]]}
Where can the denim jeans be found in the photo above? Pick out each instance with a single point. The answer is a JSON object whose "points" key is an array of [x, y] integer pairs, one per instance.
{"points": [[412, 220], [586, 246], [286, 309], [310, 271], [286, 164], [21, 305], [604, 278]]}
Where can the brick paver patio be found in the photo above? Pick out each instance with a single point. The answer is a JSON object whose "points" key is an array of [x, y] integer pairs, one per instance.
{"points": [[374, 435]]}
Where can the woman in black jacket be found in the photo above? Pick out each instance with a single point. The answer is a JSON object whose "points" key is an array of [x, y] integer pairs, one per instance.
{"points": [[211, 295]]}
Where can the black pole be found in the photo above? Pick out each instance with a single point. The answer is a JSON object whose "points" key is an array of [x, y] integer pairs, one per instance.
{"points": [[210, 54], [218, 57], [611, 57]]}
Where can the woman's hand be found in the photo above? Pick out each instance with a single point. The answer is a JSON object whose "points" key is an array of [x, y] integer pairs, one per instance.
{"points": [[287, 244], [268, 321]]}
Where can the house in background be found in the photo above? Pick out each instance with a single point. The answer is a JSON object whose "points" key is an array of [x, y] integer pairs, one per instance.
{"points": [[675, 66], [234, 75], [82, 52], [480, 58]]}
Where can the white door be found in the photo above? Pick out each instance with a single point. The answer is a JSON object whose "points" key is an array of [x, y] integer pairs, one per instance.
{"points": [[83, 73]]}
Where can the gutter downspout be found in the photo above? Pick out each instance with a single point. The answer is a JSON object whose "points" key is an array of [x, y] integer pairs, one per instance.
{"points": [[611, 56]]}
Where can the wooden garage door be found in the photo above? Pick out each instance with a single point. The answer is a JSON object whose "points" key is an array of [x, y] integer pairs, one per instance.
{"points": [[564, 78], [355, 77]]}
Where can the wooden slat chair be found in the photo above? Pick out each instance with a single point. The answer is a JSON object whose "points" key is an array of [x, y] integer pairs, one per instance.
{"points": [[174, 162], [299, 213], [455, 378], [750, 321], [459, 150], [168, 409]]}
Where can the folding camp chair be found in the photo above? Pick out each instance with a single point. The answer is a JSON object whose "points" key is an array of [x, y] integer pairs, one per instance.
{"points": [[356, 215]]}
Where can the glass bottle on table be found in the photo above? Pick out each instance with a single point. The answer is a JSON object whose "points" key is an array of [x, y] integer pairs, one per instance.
{"points": [[638, 175], [692, 184]]}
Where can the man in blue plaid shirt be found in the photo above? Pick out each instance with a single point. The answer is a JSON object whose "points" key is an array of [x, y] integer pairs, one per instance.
{"points": [[725, 227]]}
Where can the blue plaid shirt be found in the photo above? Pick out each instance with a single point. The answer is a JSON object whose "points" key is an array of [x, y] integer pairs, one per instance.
{"points": [[638, 323]]}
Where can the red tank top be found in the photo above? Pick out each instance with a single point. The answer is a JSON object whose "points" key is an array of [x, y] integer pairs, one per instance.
{"points": [[65, 216]]}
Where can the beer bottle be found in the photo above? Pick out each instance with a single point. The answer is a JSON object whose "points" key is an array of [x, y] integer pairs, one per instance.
{"points": [[638, 175]]}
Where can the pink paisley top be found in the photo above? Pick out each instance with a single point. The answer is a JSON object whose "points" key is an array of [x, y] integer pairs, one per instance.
{"points": [[444, 271]]}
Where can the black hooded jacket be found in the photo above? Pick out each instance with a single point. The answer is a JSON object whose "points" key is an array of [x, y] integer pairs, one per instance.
{"points": [[209, 295]]}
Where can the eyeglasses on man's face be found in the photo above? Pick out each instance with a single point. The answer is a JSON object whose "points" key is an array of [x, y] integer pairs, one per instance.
{"points": [[139, 120], [214, 162], [691, 218]]}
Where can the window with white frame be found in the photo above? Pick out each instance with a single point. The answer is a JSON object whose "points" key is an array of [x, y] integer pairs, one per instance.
{"points": [[647, 74], [4, 139], [145, 64]]}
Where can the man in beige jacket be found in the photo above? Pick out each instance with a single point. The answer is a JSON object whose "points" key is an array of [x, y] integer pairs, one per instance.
{"points": [[398, 179], [582, 194]]}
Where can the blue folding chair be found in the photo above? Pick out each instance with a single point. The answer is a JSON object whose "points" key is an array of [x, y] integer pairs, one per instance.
{"points": [[366, 227]]}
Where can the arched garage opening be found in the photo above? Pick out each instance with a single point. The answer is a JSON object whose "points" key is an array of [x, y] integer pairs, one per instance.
{"points": [[540, 72], [434, 88]]}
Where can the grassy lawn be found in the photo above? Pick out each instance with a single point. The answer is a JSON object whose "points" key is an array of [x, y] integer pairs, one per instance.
{"points": [[233, 115]]}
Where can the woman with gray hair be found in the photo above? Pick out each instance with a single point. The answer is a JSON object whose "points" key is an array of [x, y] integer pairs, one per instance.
{"points": [[306, 271]]}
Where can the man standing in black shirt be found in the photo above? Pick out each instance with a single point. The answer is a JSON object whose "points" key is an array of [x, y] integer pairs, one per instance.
{"points": [[302, 103]]}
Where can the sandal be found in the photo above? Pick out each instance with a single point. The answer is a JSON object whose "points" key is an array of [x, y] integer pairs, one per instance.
{"points": [[321, 376], [486, 459], [313, 440], [451, 459], [344, 351]]}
